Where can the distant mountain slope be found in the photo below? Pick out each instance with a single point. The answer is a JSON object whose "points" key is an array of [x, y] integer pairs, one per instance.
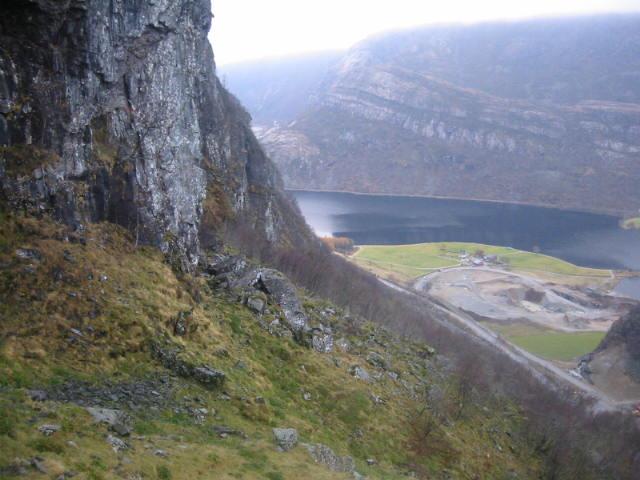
{"points": [[278, 90], [542, 112], [563, 60]]}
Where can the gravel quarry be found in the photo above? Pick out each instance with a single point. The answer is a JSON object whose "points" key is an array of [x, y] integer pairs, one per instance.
{"points": [[506, 297]]}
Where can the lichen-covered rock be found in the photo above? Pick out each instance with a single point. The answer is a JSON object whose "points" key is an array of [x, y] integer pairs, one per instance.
{"points": [[256, 304], [322, 341], [116, 443], [208, 376], [284, 294], [326, 456], [286, 438], [111, 110], [117, 420], [360, 373]]}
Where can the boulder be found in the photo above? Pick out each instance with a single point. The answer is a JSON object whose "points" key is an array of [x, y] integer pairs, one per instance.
{"points": [[360, 373], [256, 304], [38, 395], [116, 443], [117, 420], [208, 376], [284, 293], [49, 429], [322, 342], [286, 438]]}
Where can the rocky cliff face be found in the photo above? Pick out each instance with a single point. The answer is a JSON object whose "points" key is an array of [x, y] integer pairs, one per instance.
{"points": [[542, 112], [111, 110]]}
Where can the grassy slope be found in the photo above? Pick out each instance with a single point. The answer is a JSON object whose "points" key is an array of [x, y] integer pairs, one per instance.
{"points": [[119, 297], [408, 262]]}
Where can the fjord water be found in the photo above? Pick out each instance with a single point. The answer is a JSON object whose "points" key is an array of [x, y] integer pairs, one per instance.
{"points": [[585, 239]]}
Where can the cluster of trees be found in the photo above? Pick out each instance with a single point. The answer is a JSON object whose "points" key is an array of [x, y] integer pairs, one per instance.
{"points": [[338, 244]]}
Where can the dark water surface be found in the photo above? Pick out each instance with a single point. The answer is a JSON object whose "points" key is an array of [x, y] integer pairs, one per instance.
{"points": [[586, 239]]}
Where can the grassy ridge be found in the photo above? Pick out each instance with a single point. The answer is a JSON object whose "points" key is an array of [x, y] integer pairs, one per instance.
{"points": [[411, 261]]}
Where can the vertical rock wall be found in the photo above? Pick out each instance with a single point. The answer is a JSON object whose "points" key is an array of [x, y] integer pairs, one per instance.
{"points": [[111, 110]]}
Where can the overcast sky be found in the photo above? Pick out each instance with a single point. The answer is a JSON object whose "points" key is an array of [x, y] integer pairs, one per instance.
{"points": [[251, 29]]}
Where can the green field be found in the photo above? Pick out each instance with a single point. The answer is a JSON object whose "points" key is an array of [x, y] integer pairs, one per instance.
{"points": [[546, 343], [559, 345], [631, 223], [407, 262]]}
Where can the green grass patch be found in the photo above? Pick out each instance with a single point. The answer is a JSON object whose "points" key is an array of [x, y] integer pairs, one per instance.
{"points": [[562, 346], [163, 472], [412, 261]]}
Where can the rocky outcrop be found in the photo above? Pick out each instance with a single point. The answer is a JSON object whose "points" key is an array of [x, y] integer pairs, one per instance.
{"points": [[615, 364], [111, 110], [254, 285], [172, 358], [493, 111], [117, 420], [624, 334], [325, 455]]}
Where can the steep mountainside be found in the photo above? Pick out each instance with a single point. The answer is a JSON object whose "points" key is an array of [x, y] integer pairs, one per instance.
{"points": [[543, 112], [112, 111]]}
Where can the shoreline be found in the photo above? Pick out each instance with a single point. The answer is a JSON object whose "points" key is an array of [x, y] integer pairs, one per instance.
{"points": [[616, 214], [608, 283]]}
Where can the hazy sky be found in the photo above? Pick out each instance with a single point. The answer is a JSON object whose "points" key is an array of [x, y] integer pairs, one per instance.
{"points": [[250, 29]]}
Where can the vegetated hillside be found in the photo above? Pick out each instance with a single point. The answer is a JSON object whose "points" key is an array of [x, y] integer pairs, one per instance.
{"points": [[542, 111], [197, 371], [129, 179], [278, 90]]}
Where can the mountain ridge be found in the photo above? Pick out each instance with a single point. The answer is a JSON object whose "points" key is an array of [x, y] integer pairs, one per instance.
{"points": [[416, 113]]}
